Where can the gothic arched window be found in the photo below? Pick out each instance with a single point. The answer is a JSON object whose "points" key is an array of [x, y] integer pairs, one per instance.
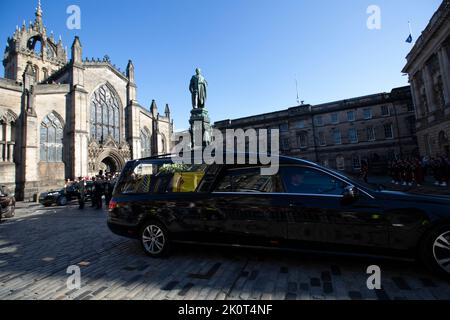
{"points": [[161, 143], [36, 73], [7, 136], [105, 115], [44, 73], [145, 143], [51, 146]]}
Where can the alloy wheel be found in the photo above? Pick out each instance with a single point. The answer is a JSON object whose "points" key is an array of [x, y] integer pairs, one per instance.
{"points": [[153, 239], [441, 251]]}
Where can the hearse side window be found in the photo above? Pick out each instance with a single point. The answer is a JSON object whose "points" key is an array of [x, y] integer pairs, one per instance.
{"points": [[310, 181], [247, 180], [160, 177]]}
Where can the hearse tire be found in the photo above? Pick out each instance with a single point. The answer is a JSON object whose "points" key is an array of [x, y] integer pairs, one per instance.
{"points": [[154, 238], [434, 251]]}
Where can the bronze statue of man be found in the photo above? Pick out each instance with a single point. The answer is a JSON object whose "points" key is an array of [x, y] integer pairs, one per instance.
{"points": [[198, 90]]}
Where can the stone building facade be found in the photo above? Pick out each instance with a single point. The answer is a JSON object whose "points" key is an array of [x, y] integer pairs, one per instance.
{"points": [[428, 66], [64, 118], [342, 134]]}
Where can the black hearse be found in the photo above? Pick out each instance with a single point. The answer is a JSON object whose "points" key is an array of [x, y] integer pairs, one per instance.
{"points": [[303, 207]]}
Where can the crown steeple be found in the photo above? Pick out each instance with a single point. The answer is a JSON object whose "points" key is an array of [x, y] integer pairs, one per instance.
{"points": [[32, 44], [39, 9], [38, 25]]}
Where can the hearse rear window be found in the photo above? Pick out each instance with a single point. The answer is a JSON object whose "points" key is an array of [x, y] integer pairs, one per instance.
{"points": [[157, 177]]}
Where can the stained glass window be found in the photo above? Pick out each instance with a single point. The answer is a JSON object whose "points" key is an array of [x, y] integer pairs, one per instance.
{"points": [[145, 143], [51, 137], [105, 115]]}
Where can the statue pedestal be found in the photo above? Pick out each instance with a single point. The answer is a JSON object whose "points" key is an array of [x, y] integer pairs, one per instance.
{"points": [[200, 129]]}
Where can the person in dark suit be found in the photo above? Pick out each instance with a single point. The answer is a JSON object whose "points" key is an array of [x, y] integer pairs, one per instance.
{"points": [[98, 191], [81, 192], [108, 187]]}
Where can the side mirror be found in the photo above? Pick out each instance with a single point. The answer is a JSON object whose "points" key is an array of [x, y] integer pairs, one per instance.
{"points": [[351, 193]]}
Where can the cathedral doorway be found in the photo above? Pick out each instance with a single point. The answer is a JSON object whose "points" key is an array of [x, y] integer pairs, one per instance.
{"points": [[108, 157], [109, 165]]}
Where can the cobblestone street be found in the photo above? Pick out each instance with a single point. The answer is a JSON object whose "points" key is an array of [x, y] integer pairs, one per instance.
{"points": [[38, 246]]}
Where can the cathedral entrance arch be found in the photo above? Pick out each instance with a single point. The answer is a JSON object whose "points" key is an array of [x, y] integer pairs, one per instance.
{"points": [[110, 161], [108, 157], [108, 165]]}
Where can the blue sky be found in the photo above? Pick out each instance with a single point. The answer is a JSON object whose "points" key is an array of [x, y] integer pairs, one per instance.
{"points": [[250, 51]]}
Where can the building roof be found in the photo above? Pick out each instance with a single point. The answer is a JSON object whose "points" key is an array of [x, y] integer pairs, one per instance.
{"points": [[357, 102]]}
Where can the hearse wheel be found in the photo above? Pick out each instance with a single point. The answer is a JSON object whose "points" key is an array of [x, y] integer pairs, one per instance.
{"points": [[155, 239], [435, 251], [62, 201], [12, 212]]}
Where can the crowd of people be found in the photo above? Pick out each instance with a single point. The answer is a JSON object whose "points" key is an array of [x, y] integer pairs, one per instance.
{"points": [[99, 188], [412, 171]]}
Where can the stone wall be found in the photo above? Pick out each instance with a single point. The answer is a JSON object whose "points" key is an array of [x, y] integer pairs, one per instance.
{"points": [[429, 139], [52, 176], [8, 175], [40, 65], [11, 95]]}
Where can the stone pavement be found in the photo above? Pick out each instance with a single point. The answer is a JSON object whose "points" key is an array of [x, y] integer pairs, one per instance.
{"points": [[38, 246]]}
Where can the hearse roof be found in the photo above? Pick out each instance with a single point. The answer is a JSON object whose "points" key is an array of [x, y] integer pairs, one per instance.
{"points": [[282, 159]]}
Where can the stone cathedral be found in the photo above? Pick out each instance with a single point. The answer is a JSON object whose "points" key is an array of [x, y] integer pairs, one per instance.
{"points": [[62, 118]]}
